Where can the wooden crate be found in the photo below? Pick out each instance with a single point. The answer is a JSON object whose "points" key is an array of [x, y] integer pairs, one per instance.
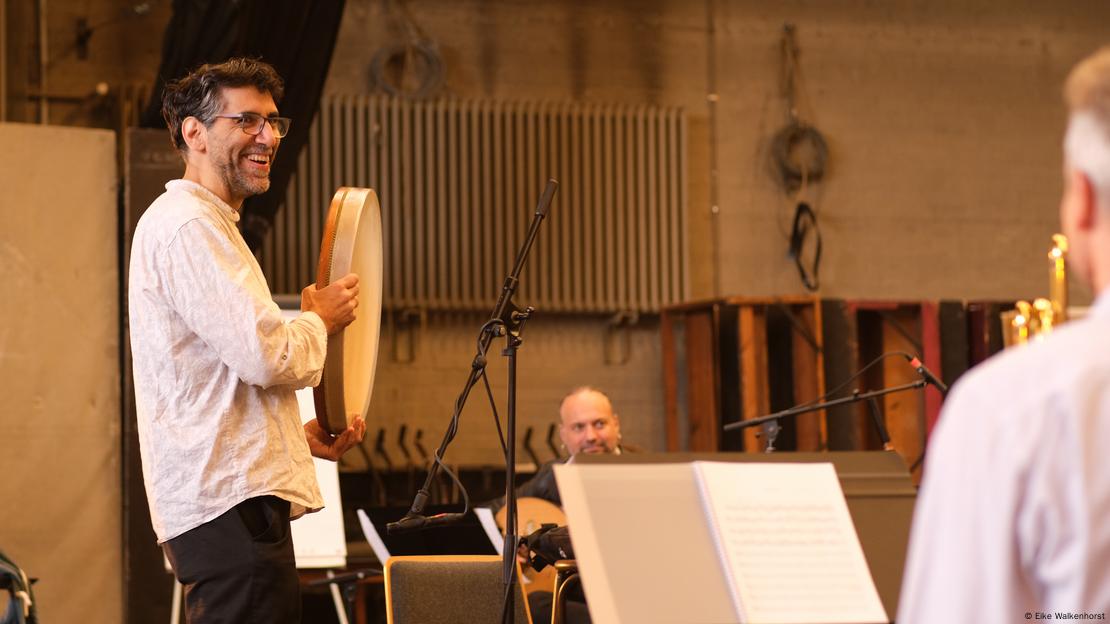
{"points": [[727, 360], [858, 333], [948, 336], [733, 359]]}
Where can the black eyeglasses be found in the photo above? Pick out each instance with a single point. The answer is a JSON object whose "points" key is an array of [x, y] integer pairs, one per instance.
{"points": [[252, 123]]}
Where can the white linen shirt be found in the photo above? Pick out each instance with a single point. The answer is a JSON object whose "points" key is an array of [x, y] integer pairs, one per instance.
{"points": [[215, 367], [1013, 516]]}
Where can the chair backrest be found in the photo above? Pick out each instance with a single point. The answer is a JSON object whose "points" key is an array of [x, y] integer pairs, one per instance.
{"points": [[448, 589]]}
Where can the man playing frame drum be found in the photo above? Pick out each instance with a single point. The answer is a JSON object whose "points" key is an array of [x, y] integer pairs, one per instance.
{"points": [[226, 461]]}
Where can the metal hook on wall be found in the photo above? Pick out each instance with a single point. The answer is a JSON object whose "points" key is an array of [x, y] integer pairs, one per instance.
{"points": [[551, 429], [403, 326], [618, 338]]}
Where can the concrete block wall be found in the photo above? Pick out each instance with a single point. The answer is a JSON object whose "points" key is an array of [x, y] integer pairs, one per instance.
{"points": [[559, 353], [943, 118], [123, 46], [943, 121]]}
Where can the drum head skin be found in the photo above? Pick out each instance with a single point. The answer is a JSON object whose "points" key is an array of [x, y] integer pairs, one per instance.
{"points": [[352, 244]]}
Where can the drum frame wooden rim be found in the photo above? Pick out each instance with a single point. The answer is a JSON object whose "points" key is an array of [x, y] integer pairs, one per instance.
{"points": [[325, 265]]}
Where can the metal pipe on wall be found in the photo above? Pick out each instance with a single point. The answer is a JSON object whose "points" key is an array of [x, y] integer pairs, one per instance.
{"points": [[3, 60], [44, 104], [711, 99]]}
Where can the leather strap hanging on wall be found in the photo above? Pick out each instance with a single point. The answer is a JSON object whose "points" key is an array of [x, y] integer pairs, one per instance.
{"points": [[805, 222]]}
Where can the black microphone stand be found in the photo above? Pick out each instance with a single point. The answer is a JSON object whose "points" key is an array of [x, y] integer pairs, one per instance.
{"points": [[508, 552], [804, 409], [506, 320]]}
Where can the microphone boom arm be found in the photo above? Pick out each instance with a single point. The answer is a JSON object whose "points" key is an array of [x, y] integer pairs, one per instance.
{"points": [[804, 409]]}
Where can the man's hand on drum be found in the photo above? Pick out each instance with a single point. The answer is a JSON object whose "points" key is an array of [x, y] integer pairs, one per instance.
{"points": [[326, 446], [335, 303]]}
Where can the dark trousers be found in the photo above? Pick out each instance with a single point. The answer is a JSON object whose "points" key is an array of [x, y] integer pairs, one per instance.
{"points": [[239, 567]]}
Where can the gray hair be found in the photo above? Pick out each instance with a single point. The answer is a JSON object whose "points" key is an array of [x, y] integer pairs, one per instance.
{"points": [[1087, 148], [1087, 142]]}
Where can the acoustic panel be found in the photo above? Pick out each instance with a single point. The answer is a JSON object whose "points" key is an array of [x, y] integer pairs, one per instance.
{"points": [[60, 362]]}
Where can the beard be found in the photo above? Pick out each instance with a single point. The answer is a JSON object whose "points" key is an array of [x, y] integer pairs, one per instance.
{"points": [[239, 179]]}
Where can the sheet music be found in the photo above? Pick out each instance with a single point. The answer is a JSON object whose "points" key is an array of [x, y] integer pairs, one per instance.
{"points": [[489, 524], [788, 545], [485, 516], [371, 535], [643, 544]]}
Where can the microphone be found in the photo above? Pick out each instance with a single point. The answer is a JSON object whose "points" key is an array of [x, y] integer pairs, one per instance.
{"points": [[545, 198], [415, 522], [927, 374], [415, 519]]}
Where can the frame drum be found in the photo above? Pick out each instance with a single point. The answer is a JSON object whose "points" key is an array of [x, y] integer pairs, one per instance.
{"points": [[352, 244]]}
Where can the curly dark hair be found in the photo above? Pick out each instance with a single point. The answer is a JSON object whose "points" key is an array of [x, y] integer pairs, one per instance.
{"points": [[199, 93]]}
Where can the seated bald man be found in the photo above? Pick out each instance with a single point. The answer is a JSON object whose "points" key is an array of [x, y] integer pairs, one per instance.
{"points": [[587, 424]]}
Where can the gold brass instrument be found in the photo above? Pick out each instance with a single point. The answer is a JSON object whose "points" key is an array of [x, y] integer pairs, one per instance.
{"points": [[1032, 321]]}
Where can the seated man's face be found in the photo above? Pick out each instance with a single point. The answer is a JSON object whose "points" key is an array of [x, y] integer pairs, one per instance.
{"points": [[589, 424]]}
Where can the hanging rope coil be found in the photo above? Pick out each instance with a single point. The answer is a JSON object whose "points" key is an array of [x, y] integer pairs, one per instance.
{"points": [[791, 142], [797, 158], [410, 65], [422, 70]]}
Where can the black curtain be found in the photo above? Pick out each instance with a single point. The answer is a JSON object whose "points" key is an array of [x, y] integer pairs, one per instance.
{"points": [[294, 36]]}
